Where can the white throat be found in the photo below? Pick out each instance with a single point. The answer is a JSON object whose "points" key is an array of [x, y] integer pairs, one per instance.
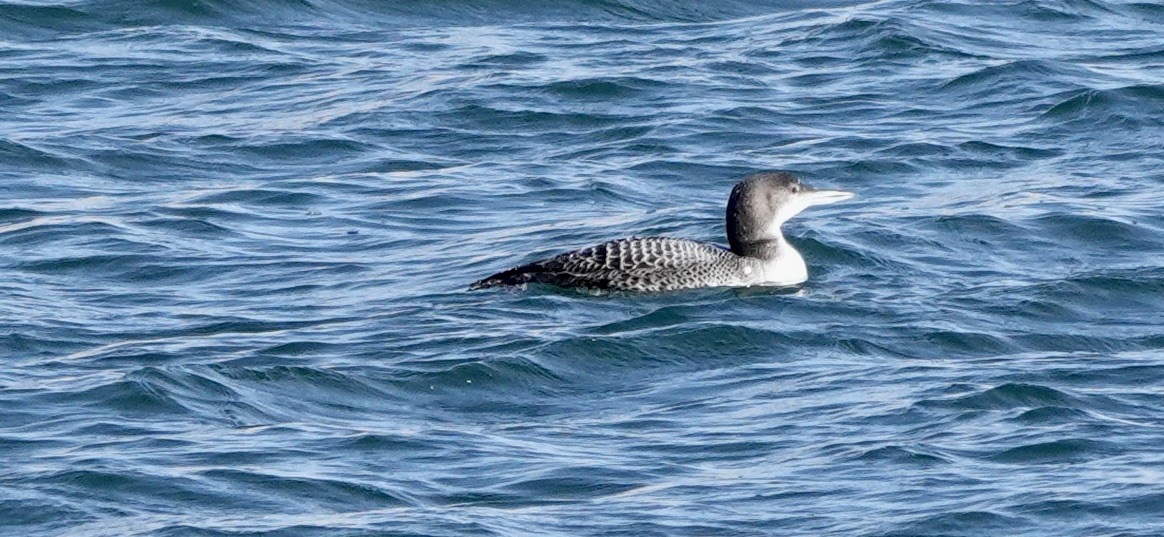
{"points": [[786, 268]]}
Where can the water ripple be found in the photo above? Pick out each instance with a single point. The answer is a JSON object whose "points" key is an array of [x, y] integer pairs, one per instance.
{"points": [[236, 240]]}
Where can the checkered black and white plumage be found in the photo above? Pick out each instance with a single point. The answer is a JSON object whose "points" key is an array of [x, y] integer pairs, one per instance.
{"points": [[632, 264]]}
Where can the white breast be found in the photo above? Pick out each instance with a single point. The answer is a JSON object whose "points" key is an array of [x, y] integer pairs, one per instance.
{"points": [[788, 268]]}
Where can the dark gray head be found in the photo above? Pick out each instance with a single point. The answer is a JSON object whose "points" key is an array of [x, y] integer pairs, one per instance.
{"points": [[762, 202]]}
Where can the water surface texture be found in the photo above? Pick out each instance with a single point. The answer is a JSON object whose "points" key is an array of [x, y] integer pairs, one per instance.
{"points": [[236, 237]]}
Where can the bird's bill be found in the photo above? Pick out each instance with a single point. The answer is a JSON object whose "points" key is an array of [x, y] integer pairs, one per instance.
{"points": [[823, 197], [807, 197]]}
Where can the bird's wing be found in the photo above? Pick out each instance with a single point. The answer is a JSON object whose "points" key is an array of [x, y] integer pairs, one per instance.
{"points": [[647, 264]]}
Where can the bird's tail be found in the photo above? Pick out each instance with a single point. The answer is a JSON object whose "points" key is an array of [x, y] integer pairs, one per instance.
{"points": [[514, 276]]}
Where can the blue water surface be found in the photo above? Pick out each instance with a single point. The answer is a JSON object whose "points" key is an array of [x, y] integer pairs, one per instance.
{"points": [[236, 238]]}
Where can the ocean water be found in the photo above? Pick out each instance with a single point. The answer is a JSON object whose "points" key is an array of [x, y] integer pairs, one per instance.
{"points": [[236, 238]]}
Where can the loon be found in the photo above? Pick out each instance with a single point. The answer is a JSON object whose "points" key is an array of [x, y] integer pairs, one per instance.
{"points": [[759, 254]]}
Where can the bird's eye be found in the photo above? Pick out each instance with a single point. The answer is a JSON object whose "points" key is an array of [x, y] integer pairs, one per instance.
{"points": [[796, 188]]}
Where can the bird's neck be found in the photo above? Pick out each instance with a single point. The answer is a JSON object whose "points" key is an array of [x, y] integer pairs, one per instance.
{"points": [[768, 248], [779, 262]]}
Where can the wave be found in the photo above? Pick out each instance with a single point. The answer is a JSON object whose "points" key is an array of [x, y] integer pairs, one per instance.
{"points": [[43, 19]]}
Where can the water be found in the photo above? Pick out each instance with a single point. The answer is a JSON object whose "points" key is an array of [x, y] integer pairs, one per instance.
{"points": [[236, 236]]}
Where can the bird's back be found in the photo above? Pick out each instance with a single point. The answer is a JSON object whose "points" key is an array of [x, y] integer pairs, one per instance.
{"points": [[632, 264]]}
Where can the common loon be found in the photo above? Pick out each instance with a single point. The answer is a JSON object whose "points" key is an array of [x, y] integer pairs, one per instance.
{"points": [[759, 255]]}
